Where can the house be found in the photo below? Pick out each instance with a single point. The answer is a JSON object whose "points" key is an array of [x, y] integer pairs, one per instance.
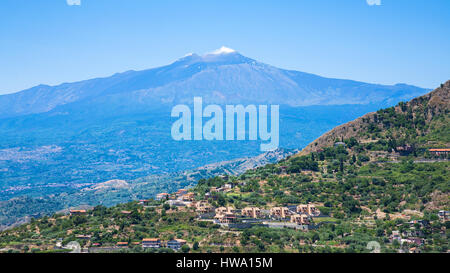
{"points": [[188, 196], [225, 188], [443, 215], [439, 152], [280, 212], [145, 202], [416, 241], [395, 236], [176, 203], [300, 219], [412, 233], [339, 143], [176, 244], [181, 192], [122, 244], [78, 212], [226, 218], [405, 149], [420, 223], [83, 237], [309, 209], [125, 212], [419, 241], [162, 196], [251, 212], [151, 243], [203, 207], [228, 186], [223, 210], [172, 197]]}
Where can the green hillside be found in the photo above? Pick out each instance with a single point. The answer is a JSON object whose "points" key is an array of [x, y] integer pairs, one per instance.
{"points": [[373, 179]]}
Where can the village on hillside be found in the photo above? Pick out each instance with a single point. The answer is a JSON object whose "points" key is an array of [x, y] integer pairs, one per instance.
{"points": [[299, 217]]}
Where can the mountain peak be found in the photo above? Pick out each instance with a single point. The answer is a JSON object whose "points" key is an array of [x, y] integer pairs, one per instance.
{"points": [[221, 56], [222, 50]]}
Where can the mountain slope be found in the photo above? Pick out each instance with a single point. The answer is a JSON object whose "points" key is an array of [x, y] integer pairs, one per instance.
{"points": [[415, 123], [222, 77]]}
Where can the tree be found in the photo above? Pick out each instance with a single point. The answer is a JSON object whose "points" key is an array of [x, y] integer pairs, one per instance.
{"points": [[195, 246], [166, 206], [185, 248], [353, 158], [315, 237], [221, 200]]}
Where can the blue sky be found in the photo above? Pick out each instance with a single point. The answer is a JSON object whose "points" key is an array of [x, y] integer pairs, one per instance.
{"points": [[398, 41]]}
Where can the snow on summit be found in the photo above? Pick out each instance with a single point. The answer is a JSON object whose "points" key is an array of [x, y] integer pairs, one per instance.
{"points": [[222, 50]]}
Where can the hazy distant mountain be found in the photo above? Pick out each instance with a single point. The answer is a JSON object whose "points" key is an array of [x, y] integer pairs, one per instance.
{"points": [[224, 76], [56, 139]]}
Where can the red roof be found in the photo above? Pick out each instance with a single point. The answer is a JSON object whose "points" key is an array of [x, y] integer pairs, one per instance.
{"points": [[150, 240], [439, 150]]}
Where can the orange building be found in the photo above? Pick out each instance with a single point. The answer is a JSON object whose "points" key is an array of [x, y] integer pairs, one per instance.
{"points": [[251, 212], [281, 212], [308, 209], [301, 219]]}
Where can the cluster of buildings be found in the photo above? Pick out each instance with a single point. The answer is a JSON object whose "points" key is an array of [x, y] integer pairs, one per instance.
{"points": [[174, 244], [300, 214], [397, 236], [411, 236], [181, 198], [296, 215], [225, 215], [292, 216], [155, 243]]}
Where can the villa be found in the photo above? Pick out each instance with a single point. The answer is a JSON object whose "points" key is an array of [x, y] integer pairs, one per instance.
{"points": [[223, 210], [308, 209], [301, 219], [122, 244], [251, 212], [439, 152], [226, 218], [176, 244], [151, 243], [162, 196], [188, 196], [203, 207], [78, 212], [280, 212]]}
